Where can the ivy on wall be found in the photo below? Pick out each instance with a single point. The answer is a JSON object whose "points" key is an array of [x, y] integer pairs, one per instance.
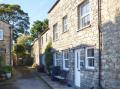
{"points": [[48, 56]]}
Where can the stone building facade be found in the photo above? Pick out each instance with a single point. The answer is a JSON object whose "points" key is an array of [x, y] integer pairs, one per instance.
{"points": [[5, 42], [35, 52], [39, 46], [45, 40], [74, 26], [74, 30]]}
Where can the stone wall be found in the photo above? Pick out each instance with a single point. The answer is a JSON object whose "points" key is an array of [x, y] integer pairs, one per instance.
{"points": [[111, 44], [35, 51], [5, 43]]}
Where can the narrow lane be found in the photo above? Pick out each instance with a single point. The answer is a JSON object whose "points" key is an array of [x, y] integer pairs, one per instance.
{"points": [[26, 80]]}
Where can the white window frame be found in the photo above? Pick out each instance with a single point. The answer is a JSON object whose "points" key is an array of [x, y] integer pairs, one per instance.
{"points": [[46, 37], [55, 32], [83, 16], [65, 24], [55, 59], [2, 33], [42, 40], [87, 58], [64, 67]]}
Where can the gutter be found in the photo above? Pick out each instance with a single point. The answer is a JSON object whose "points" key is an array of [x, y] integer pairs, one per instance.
{"points": [[100, 44], [53, 6]]}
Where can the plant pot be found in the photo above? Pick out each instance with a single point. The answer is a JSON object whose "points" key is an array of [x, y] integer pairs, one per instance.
{"points": [[8, 75]]}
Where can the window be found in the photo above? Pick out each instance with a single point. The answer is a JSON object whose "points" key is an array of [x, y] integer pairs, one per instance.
{"points": [[55, 32], [90, 60], [65, 60], [65, 29], [1, 34], [46, 37], [56, 59], [42, 41], [82, 57], [85, 14]]}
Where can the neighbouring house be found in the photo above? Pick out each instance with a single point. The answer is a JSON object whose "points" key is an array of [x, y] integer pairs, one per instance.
{"points": [[39, 46], [45, 39], [85, 38], [35, 51], [5, 43]]}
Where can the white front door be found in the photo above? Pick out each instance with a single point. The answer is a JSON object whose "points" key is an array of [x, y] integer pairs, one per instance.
{"points": [[77, 67]]}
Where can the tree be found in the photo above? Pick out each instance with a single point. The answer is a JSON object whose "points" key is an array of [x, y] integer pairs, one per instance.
{"points": [[26, 41], [23, 48], [15, 16], [19, 50], [39, 27]]}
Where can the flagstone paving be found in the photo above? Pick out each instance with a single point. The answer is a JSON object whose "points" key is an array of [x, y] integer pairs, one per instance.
{"points": [[53, 84]]}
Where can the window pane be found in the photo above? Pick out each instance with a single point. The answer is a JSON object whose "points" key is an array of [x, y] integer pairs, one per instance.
{"points": [[1, 35], [66, 55], [55, 32], [83, 10], [66, 64], [90, 52], [57, 55], [65, 24], [56, 35], [91, 62], [57, 63], [85, 21]]}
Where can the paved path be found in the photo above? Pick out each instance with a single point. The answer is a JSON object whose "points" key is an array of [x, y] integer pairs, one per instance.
{"points": [[54, 84], [25, 80]]}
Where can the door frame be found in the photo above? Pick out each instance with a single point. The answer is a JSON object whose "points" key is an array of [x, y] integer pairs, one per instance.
{"points": [[77, 66]]}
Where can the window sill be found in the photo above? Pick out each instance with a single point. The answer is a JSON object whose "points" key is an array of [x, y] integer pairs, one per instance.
{"points": [[55, 40], [84, 28], [88, 69], [65, 31], [67, 69]]}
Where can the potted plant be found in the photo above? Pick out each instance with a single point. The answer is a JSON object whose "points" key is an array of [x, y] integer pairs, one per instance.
{"points": [[8, 71]]}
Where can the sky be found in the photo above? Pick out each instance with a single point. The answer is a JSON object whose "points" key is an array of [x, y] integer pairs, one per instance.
{"points": [[36, 9]]}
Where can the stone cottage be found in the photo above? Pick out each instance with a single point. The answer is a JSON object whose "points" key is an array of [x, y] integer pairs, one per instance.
{"points": [[35, 52], [39, 46], [5, 43], [86, 36], [45, 40]]}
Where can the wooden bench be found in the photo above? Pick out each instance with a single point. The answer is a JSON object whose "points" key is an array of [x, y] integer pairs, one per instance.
{"points": [[62, 77]]}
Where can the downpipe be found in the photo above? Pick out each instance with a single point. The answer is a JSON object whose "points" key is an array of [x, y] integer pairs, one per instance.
{"points": [[100, 45]]}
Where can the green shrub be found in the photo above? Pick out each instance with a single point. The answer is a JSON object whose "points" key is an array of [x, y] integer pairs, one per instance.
{"points": [[48, 57], [1, 61], [5, 69]]}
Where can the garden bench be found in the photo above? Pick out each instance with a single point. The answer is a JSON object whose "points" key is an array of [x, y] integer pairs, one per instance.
{"points": [[62, 76], [58, 74]]}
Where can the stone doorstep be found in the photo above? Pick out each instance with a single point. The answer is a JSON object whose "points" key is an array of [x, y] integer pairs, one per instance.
{"points": [[52, 84]]}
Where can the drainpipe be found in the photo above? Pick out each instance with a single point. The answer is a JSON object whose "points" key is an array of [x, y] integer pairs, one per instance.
{"points": [[100, 44], [10, 44]]}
